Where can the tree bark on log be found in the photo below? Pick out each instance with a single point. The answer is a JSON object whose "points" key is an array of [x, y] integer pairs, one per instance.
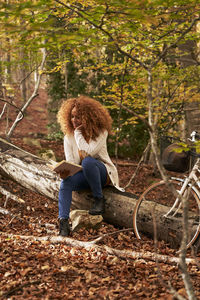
{"points": [[28, 170], [34, 174]]}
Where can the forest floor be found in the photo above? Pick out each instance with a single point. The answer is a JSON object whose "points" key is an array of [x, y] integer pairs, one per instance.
{"points": [[32, 269]]}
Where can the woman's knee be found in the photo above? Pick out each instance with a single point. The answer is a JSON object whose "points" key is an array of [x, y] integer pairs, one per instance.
{"points": [[66, 184], [88, 162]]}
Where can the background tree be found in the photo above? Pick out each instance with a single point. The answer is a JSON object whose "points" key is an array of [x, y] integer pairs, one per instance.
{"points": [[92, 41]]}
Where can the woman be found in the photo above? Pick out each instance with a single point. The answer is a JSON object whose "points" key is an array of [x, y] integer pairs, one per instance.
{"points": [[85, 124]]}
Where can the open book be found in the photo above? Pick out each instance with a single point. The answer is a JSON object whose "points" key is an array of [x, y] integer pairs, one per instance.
{"points": [[65, 166]]}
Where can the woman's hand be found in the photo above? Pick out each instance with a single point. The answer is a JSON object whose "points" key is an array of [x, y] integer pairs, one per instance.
{"points": [[64, 174], [79, 127], [83, 154]]}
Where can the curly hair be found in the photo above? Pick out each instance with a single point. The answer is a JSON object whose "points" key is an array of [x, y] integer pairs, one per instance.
{"points": [[95, 118]]}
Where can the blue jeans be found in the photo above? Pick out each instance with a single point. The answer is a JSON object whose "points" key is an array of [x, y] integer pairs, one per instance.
{"points": [[93, 176]]}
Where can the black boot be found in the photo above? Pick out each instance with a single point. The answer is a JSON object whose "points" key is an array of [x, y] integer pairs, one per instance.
{"points": [[64, 227], [98, 207]]}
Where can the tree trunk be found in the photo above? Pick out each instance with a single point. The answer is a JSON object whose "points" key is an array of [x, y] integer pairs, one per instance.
{"points": [[33, 173]]}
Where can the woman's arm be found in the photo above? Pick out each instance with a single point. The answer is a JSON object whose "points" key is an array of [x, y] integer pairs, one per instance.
{"points": [[92, 147], [68, 150]]}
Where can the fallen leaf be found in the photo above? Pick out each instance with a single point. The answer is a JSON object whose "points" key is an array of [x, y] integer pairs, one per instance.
{"points": [[25, 271], [45, 267], [64, 268]]}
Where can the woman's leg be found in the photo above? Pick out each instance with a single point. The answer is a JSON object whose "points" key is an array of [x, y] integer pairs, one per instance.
{"points": [[64, 200], [93, 176], [72, 183], [96, 175]]}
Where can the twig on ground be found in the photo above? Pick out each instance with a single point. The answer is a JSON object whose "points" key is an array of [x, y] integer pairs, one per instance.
{"points": [[19, 287], [5, 211], [11, 196], [123, 254], [11, 220], [98, 238]]}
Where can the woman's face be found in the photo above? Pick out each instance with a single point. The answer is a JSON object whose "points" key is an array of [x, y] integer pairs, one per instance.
{"points": [[75, 118]]}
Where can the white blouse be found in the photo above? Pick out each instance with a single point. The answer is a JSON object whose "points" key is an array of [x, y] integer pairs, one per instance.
{"points": [[95, 148]]}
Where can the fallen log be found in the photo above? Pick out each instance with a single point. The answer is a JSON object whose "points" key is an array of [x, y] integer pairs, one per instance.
{"points": [[34, 174], [28, 170]]}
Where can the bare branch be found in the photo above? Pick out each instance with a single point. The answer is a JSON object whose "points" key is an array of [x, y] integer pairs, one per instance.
{"points": [[100, 27], [3, 110], [7, 102], [11, 196], [138, 165], [133, 113], [124, 254], [173, 45], [33, 96], [29, 74]]}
